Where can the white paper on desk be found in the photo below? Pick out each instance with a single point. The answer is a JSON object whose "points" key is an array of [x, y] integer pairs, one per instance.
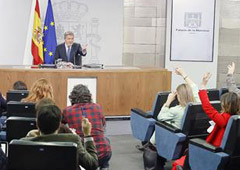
{"points": [[212, 124]]}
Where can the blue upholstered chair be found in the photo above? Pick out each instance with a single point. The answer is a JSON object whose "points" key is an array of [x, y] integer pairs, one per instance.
{"points": [[171, 142], [226, 157], [224, 90], [143, 123], [213, 94], [25, 155]]}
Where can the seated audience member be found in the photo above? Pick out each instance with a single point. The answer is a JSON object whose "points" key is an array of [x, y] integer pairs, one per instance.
{"points": [[3, 103], [19, 85], [48, 123], [185, 93], [231, 85], [230, 106], [83, 107], [39, 90], [45, 102]]}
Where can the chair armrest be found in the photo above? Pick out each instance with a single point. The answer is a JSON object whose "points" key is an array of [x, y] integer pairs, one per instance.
{"points": [[168, 126], [203, 144], [141, 113]]}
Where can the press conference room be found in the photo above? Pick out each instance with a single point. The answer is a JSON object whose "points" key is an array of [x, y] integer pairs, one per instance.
{"points": [[119, 85]]}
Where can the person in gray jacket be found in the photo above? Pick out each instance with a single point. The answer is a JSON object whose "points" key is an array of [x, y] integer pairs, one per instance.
{"points": [[231, 84]]}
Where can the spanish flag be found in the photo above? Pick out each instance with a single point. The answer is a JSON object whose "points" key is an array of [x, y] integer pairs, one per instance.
{"points": [[37, 43]]}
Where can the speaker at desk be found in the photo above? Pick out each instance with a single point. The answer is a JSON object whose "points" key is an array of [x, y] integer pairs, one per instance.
{"points": [[21, 109], [16, 95]]}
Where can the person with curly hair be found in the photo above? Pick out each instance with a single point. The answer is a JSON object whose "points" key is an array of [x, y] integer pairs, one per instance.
{"points": [[83, 107]]}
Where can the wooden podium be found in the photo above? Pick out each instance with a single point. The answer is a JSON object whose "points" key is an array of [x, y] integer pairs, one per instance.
{"points": [[118, 88]]}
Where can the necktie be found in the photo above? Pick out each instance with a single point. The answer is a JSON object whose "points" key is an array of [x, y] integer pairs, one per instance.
{"points": [[68, 53]]}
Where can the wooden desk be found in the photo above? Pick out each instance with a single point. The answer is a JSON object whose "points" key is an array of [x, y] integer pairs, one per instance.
{"points": [[118, 89]]}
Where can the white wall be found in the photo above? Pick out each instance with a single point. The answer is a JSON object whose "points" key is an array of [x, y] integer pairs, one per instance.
{"points": [[14, 18], [195, 70]]}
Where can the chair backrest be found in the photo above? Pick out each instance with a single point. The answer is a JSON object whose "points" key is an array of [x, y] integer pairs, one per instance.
{"points": [[231, 140], [213, 94], [22, 109], [29, 155], [16, 95], [160, 99], [224, 90], [18, 127], [195, 121]]}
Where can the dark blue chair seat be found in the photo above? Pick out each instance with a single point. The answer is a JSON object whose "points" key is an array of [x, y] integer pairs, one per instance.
{"points": [[143, 123], [226, 157]]}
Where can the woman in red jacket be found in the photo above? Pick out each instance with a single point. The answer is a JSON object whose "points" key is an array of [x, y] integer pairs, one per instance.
{"points": [[230, 106]]}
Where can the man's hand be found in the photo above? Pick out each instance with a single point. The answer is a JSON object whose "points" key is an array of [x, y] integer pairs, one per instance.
{"points": [[69, 65], [205, 79], [231, 68], [84, 48], [86, 127]]}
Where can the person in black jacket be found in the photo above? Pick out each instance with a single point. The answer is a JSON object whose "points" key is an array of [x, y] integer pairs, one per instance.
{"points": [[3, 104]]}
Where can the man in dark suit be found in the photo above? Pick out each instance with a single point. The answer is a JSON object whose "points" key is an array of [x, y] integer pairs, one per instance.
{"points": [[70, 51]]}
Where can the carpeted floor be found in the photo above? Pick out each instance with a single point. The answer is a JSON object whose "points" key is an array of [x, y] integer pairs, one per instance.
{"points": [[125, 156]]}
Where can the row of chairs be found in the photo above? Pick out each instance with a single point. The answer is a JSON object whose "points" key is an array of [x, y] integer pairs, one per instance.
{"points": [[19, 117], [25, 155], [143, 123], [171, 142]]}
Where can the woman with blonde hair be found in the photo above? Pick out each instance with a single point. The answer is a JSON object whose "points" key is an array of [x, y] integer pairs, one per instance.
{"points": [[185, 93], [40, 89]]}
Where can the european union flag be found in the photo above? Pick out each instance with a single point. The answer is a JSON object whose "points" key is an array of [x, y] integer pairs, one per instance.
{"points": [[49, 36]]}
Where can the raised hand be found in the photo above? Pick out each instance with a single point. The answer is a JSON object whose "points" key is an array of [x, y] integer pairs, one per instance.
{"points": [[231, 68], [180, 71], [205, 79], [86, 127], [84, 47]]}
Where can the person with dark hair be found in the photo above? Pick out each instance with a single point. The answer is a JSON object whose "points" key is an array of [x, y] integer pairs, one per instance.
{"points": [[48, 122], [45, 102], [19, 85], [83, 107]]}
